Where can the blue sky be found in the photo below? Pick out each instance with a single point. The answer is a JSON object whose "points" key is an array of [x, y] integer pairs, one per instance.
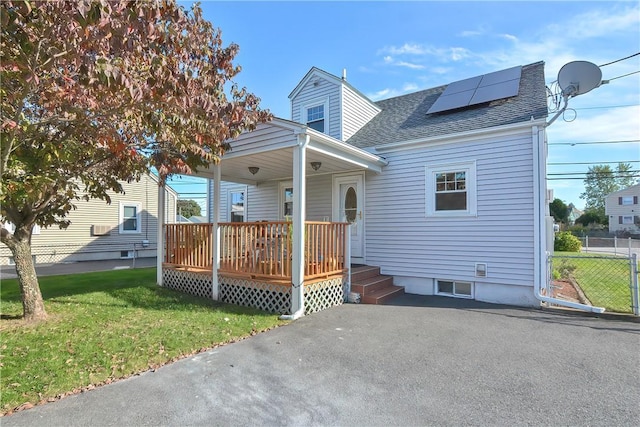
{"points": [[393, 48]]}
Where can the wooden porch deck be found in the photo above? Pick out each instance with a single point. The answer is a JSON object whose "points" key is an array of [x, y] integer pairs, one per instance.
{"points": [[257, 250]]}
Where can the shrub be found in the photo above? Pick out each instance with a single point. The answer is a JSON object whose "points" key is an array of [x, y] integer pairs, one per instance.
{"points": [[567, 242]]}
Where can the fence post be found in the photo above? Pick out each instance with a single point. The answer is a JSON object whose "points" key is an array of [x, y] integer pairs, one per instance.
{"points": [[586, 243], [635, 292], [629, 245], [615, 245]]}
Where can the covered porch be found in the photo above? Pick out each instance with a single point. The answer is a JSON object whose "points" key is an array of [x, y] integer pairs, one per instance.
{"points": [[280, 260]]}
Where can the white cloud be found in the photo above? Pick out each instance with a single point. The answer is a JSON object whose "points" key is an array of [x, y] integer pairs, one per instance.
{"points": [[409, 65], [509, 37], [459, 53], [405, 49], [409, 87]]}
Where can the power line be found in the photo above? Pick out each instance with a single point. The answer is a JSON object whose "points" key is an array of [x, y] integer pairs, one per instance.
{"points": [[593, 163], [612, 173], [624, 75], [628, 141], [606, 107], [582, 179], [621, 59]]}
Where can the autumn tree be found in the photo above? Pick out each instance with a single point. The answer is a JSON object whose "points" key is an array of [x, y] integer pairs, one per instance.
{"points": [[97, 92], [188, 208]]}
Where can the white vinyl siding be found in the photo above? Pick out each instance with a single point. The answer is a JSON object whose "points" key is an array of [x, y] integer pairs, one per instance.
{"points": [[403, 241], [356, 112]]}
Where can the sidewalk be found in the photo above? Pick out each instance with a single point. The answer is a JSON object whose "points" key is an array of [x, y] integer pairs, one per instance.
{"points": [[9, 271]]}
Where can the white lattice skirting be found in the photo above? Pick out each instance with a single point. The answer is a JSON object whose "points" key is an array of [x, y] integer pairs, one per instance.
{"points": [[273, 298], [189, 282]]}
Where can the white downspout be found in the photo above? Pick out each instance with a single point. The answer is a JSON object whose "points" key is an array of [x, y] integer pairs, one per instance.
{"points": [[160, 234], [215, 219], [540, 253], [299, 215]]}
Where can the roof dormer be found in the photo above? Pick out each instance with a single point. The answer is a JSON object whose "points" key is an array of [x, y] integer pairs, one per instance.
{"points": [[329, 104]]}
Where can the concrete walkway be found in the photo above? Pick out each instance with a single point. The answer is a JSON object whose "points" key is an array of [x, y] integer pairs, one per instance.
{"points": [[417, 361]]}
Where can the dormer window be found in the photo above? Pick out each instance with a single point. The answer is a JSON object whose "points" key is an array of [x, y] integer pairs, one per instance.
{"points": [[315, 117]]}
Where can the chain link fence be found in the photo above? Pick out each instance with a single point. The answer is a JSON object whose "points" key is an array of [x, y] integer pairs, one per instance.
{"points": [[598, 280], [71, 252]]}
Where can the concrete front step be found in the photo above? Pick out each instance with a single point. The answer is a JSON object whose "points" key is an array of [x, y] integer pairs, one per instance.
{"points": [[373, 287]]}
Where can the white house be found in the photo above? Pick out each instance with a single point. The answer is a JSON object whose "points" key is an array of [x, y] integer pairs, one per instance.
{"points": [[623, 210], [444, 189], [100, 231]]}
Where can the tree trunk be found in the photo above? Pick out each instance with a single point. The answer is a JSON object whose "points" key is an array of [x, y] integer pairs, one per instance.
{"points": [[32, 304]]}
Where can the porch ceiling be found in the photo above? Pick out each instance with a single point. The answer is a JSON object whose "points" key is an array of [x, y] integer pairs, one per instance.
{"points": [[271, 148]]}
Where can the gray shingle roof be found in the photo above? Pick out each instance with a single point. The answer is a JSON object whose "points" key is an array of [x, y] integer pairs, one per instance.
{"points": [[405, 118]]}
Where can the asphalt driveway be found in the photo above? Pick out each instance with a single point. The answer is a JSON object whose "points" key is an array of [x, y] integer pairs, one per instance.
{"points": [[417, 361]]}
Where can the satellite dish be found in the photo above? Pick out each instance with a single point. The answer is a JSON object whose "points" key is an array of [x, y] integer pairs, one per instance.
{"points": [[578, 77]]}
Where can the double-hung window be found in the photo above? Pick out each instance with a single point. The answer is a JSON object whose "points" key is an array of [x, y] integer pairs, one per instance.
{"points": [[315, 117], [130, 218], [451, 189]]}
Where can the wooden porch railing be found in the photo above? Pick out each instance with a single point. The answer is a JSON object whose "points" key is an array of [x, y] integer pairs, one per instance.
{"points": [[258, 249]]}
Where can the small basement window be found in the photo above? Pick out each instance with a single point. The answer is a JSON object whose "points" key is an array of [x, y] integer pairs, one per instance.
{"points": [[454, 288], [126, 254]]}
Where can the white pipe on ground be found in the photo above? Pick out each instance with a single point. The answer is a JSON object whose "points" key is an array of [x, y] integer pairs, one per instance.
{"points": [[539, 213]]}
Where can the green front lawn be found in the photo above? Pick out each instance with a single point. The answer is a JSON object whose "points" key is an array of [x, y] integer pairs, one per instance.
{"points": [[104, 326], [603, 279]]}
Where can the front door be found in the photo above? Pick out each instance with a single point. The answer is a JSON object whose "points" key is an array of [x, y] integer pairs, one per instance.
{"points": [[348, 206]]}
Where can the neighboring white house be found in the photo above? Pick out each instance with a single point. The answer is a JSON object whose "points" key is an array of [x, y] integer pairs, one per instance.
{"points": [[623, 210], [101, 231], [444, 188]]}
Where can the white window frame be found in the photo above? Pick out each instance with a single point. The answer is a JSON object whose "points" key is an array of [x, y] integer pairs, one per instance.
{"points": [[138, 207], [281, 199], [12, 228], [324, 101], [454, 293], [230, 202], [627, 220], [627, 200], [471, 184]]}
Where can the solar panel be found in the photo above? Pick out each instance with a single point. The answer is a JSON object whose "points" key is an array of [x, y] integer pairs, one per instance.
{"points": [[477, 90]]}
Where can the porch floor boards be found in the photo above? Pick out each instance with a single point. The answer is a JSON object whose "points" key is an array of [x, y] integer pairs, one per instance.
{"points": [[373, 287]]}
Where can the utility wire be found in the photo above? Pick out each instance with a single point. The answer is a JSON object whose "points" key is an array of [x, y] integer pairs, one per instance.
{"points": [[606, 106], [621, 59], [624, 75], [619, 173], [596, 142], [593, 163]]}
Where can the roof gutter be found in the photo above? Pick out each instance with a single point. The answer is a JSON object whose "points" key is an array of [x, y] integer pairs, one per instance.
{"points": [[540, 254]]}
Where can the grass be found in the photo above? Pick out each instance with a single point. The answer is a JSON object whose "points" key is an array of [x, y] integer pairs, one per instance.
{"points": [[105, 326], [604, 279]]}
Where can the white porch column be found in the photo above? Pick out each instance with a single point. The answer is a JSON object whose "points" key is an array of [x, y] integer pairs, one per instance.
{"points": [[215, 219], [299, 215], [160, 233]]}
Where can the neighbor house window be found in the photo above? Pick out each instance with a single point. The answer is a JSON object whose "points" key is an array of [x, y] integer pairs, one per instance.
{"points": [[130, 217], [237, 206], [628, 200], [451, 189], [454, 288], [627, 219]]}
